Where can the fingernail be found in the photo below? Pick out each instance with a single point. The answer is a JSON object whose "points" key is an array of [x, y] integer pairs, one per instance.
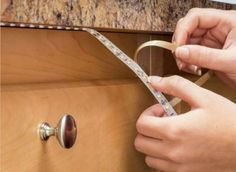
{"points": [[179, 64], [153, 79], [182, 52], [193, 69], [199, 72]]}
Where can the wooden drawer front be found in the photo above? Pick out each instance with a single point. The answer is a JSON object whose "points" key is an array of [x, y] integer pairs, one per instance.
{"points": [[105, 115], [46, 74], [40, 56]]}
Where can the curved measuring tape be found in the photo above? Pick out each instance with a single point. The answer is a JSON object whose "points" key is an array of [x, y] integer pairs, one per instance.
{"points": [[170, 46], [157, 43], [135, 68]]}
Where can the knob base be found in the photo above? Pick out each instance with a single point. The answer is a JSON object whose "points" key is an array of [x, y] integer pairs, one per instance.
{"points": [[45, 131]]}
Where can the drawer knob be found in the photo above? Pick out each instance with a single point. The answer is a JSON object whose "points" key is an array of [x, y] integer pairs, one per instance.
{"points": [[65, 131]]}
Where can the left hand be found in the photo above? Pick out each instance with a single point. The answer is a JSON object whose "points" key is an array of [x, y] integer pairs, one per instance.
{"points": [[201, 140]]}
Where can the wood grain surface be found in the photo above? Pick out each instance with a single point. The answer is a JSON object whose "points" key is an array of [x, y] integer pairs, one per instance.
{"points": [[48, 73], [45, 74], [34, 56], [105, 115]]}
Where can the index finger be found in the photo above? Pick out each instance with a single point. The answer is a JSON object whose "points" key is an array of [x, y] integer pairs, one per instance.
{"points": [[200, 18]]}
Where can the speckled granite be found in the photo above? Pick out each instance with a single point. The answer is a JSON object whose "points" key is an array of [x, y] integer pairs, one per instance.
{"points": [[151, 15]]}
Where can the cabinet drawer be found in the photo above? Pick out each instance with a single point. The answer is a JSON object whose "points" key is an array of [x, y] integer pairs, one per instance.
{"points": [[105, 114], [46, 74]]}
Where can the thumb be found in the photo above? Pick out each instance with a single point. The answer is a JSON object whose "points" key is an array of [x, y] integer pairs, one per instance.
{"points": [[180, 87], [211, 58]]}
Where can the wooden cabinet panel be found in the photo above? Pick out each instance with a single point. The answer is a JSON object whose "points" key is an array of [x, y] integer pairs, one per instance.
{"points": [[39, 56], [46, 74], [106, 113], [33, 56]]}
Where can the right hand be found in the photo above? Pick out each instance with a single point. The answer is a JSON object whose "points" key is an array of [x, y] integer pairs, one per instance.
{"points": [[201, 140], [211, 35]]}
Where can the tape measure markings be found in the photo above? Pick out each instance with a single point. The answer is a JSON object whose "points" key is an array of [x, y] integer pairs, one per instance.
{"points": [[135, 68]]}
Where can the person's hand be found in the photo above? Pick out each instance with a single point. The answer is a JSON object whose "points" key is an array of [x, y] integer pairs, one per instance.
{"points": [[201, 140], [207, 38]]}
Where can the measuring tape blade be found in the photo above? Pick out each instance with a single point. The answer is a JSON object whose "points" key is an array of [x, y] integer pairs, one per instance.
{"points": [[127, 60], [135, 68]]}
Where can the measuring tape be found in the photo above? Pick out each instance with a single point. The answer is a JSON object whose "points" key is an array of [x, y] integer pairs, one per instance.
{"points": [[135, 68], [115, 50], [124, 58]]}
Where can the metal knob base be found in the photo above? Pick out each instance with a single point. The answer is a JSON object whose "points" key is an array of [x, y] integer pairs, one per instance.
{"points": [[65, 131]]}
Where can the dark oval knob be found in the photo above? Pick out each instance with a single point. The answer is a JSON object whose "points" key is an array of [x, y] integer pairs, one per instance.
{"points": [[65, 132]]}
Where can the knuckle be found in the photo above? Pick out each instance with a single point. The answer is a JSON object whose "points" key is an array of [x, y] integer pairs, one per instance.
{"points": [[137, 143], [140, 124], [203, 54], [180, 21], [176, 155], [176, 132], [179, 154], [175, 80], [194, 11], [173, 156]]}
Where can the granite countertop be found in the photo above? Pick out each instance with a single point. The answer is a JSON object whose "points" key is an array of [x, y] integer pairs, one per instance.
{"points": [[148, 15]]}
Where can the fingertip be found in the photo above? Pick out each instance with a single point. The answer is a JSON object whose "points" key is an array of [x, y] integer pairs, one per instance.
{"points": [[154, 79], [182, 52], [158, 110], [180, 36], [160, 114], [154, 110], [177, 35]]}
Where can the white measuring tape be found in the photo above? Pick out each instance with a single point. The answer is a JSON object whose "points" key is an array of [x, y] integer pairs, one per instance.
{"points": [[135, 68], [124, 58]]}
